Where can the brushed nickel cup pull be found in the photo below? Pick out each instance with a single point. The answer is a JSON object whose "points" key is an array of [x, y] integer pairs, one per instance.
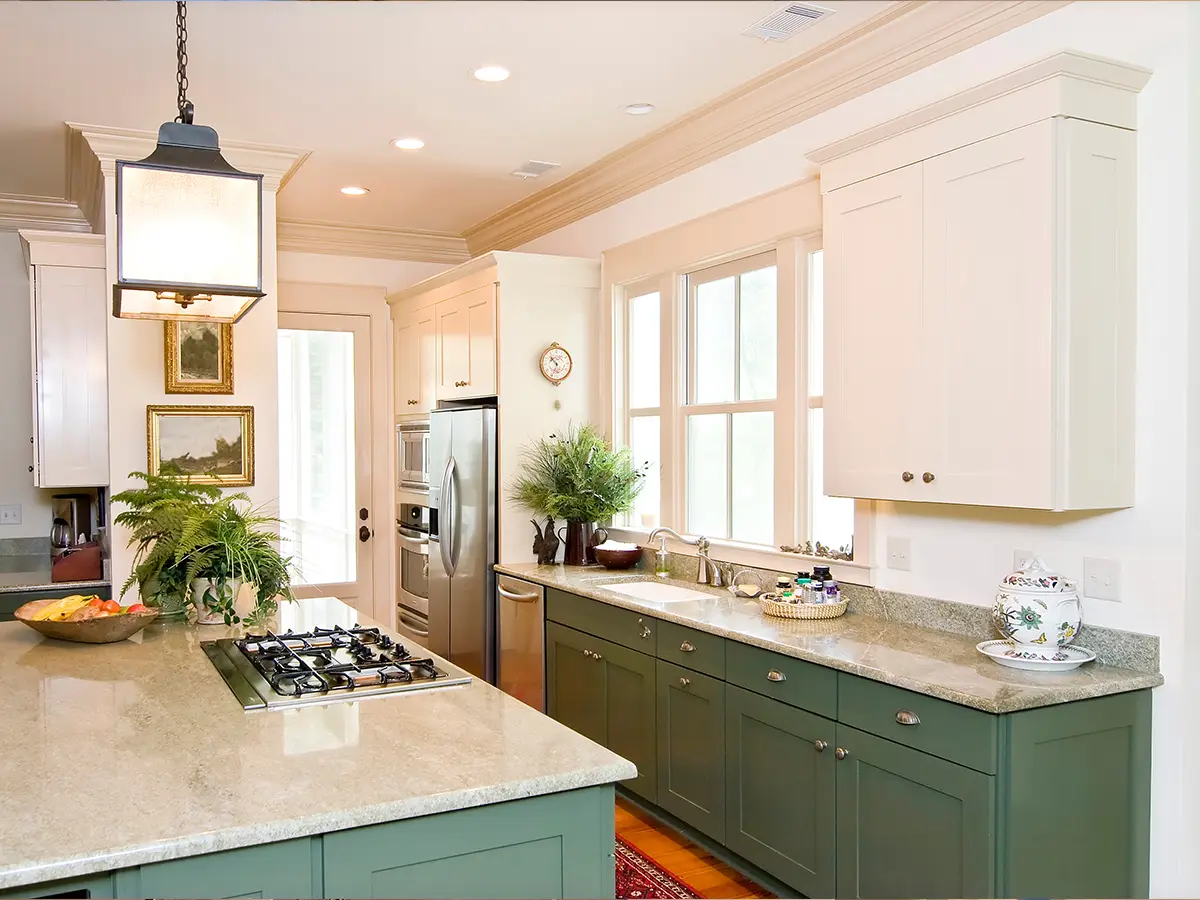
{"points": [[687, 647], [776, 675], [906, 476], [840, 753], [907, 717], [684, 682], [927, 478], [819, 746]]}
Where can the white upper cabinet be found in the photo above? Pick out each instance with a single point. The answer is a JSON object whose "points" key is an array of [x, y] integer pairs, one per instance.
{"points": [[69, 318], [415, 348], [466, 340], [980, 296]]}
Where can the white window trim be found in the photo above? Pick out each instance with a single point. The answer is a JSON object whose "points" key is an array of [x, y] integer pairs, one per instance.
{"points": [[791, 407]]}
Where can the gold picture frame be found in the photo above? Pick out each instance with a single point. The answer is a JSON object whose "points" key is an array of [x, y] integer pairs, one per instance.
{"points": [[202, 443], [198, 357]]}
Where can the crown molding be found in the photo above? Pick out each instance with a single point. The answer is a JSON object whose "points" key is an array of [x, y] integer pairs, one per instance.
{"points": [[380, 243], [901, 39], [18, 212]]}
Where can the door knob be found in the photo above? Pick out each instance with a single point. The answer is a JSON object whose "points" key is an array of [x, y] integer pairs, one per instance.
{"points": [[906, 476], [927, 478], [364, 533], [819, 746], [840, 753]]}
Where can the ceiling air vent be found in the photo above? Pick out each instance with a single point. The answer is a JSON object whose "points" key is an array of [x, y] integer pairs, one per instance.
{"points": [[787, 22], [534, 168]]}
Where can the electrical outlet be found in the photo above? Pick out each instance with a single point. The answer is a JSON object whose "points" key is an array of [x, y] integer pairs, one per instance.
{"points": [[10, 515], [1021, 558], [1102, 579], [899, 554]]}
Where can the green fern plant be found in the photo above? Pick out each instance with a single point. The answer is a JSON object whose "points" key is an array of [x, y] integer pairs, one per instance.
{"points": [[577, 476]]}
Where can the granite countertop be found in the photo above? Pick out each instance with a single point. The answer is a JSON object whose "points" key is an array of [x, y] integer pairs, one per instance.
{"points": [[129, 753], [25, 573], [924, 660]]}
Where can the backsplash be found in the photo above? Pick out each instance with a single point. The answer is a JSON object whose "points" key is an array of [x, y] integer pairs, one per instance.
{"points": [[26, 546], [1126, 649]]}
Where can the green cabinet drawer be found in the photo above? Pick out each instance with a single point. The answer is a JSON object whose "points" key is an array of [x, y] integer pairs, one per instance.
{"points": [[697, 650], [283, 869], [85, 887], [792, 681], [621, 626], [957, 733]]}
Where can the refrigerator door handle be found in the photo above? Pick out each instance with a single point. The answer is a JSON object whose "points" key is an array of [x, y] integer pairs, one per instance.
{"points": [[447, 506], [455, 514]]}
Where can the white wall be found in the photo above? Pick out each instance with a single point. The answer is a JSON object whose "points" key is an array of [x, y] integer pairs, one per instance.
{"points": [[324, 268], [959, 554], [16, 397]]}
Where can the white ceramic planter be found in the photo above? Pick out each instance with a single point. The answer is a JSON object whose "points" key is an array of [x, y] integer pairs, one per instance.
{"points": [[204, 615], [1038, 609]]}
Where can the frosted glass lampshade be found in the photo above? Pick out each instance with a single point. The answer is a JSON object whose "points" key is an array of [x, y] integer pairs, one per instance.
{"points": [[189, 232]]}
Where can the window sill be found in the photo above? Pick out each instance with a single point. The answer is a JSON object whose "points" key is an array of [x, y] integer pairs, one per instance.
{"points": [[755, 555]]}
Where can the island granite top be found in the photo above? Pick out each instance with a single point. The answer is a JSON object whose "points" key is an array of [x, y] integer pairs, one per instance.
{"points": [[924, 660], [122, 754]]}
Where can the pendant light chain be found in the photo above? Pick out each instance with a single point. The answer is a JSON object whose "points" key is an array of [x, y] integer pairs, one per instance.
{"points": [[186, 110]]}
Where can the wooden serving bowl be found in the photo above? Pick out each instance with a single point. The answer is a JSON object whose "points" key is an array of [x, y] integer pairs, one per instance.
{"points": [[618, 559], [107, 630]]}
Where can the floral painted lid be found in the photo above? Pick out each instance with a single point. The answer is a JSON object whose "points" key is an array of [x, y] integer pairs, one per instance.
{"points": [[1035, 575]]}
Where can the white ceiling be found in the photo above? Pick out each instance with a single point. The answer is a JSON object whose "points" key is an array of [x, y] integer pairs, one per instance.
{"points": [[344, 79]]}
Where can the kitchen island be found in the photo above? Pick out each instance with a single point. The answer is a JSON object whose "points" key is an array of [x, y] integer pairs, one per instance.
{"points": [[131, 770]]}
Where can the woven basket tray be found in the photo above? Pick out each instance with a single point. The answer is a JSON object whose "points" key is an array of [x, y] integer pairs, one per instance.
{"points": [[802, 610]]}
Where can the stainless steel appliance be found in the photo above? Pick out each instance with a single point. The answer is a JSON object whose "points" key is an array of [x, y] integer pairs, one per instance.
{"points": [[462, 537], [72, 523], [273, 671], [412, 572], [412, 456], [521, 639]]}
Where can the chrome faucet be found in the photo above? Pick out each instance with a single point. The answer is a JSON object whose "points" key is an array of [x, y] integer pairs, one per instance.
{"points": [[709, 571]]}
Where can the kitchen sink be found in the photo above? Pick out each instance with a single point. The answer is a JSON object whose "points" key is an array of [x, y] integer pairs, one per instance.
{"points": [[655, 592]]}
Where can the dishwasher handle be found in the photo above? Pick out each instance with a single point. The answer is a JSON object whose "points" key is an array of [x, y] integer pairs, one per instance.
{"points": [[518, 598]]}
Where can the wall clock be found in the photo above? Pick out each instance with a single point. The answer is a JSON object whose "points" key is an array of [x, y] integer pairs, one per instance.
{"points": [[555, 364]]}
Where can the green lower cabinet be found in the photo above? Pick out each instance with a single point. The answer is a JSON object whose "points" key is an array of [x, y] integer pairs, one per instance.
{"points": [[284, 869], [691, 745], [910, 824], [574, 682], [97, 886], [780, 790]]}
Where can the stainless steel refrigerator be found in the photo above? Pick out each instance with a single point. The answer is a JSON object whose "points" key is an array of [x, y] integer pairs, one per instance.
{"points": [[462, 538]]}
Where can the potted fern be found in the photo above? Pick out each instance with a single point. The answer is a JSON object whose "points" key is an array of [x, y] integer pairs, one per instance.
{"points": [[579, 477]]}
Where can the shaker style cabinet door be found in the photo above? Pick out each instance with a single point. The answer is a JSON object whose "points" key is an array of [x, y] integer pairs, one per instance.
{"points": [[780, 790], [691, 741], [406, 350], [910, 824], [70, 329], [575, 681], [466, 337], [874, 358]]}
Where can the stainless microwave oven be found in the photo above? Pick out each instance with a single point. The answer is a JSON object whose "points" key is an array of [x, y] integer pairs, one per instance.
{"points": [[412, 456]]}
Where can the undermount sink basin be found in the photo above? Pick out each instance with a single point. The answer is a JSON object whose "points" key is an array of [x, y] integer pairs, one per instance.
{"points": [[655, 592]]}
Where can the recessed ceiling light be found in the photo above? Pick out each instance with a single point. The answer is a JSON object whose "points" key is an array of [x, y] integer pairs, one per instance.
{"points": [[355, 191], [408, 143], [638, 109], [491, 73]]}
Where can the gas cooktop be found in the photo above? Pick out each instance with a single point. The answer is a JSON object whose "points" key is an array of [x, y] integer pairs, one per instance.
{"points": [[272, 671]]}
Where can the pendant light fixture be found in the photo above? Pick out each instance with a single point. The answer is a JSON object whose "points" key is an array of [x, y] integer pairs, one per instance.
{"points": [[189, 225]]}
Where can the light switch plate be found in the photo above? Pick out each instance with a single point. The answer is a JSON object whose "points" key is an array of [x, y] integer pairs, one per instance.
{"points": [[899, 554], [1102, 579], [10, 515]]}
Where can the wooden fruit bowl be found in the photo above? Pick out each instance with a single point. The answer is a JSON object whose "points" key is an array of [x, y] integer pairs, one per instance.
{"points": [[107, 630]]}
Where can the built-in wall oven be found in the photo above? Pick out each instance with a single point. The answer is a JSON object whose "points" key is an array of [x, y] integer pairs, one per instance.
{"points": [[412, 573], [412, 456]]}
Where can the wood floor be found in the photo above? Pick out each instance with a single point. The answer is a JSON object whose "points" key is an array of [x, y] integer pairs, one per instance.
{"points": [[679, 856]]}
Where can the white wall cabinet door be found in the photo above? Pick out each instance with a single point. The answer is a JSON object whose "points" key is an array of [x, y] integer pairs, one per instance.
{"points": [[453, 348], [70, 332], [415, 348], [466, 339], [874, 366], [988, 312]]}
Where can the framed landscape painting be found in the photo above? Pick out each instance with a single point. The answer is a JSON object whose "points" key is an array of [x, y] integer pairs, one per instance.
{"points": [[198, 357], [206, 444]]}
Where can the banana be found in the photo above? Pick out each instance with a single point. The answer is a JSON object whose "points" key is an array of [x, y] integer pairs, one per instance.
{"points": [[60, 609]]}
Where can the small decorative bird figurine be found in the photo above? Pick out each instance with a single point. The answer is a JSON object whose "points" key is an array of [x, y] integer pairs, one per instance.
{"points": [[545, 544]]}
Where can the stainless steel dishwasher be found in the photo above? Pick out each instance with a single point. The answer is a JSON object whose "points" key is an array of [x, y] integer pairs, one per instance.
{"points": [[521, 635]]}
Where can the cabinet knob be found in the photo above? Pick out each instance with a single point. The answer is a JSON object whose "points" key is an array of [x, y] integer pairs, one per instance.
{"points": [[840, 753], [819, 746], [907, 717], [687, 647], [31, 468], [927, 478], [588, 654], [776, 675], [684, 682], [645, 629], [906, 476], [597, 657]]}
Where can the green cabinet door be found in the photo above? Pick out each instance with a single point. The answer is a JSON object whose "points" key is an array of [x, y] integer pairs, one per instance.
{"points": [[691, 748], [83, 887], [910, 824], [575, 681], [283, 869], [780, 790], [629, 713]]}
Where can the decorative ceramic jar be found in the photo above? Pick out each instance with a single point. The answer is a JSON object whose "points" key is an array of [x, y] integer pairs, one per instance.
{"points": [[1038, 609]]}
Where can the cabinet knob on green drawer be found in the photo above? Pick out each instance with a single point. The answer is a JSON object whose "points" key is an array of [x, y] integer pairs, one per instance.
{"points": [[906, 717], [776, 675], [819, 746], [840, 753], [645, 632], [684, 682], [687, 647]]}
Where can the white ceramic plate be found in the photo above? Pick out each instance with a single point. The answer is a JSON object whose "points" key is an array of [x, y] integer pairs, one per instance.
{"points": [[1005, 653]]}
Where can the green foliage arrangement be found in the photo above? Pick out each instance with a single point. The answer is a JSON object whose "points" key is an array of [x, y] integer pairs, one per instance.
{"points": [[577, 476]]}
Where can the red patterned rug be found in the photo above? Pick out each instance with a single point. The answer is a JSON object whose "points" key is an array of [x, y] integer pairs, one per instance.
{"points": [[639, 878]]}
